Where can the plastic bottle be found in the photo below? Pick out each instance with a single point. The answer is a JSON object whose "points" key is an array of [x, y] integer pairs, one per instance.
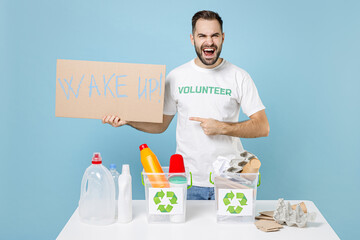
{"points": [[151, 165], [115, 176], [125, 195], [177, 179], [97, 197]]}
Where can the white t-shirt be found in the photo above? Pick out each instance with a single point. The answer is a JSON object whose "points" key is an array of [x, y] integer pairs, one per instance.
{"points": [[218, 93]]}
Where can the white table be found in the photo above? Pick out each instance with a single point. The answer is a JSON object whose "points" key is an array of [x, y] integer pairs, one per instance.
{"points": [[200, 224]]}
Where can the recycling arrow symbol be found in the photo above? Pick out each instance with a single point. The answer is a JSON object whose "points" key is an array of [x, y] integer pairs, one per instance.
{"points": [[240, 198], [159, 197]]}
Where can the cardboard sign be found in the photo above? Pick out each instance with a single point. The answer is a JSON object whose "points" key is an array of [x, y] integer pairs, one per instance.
{"points": [[87, 89]]}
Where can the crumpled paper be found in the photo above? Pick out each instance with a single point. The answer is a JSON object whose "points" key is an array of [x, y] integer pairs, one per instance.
{"points": [[228, 167]]}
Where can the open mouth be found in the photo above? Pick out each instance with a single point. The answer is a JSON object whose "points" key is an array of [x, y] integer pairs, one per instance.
{"points": [[209, 52]]}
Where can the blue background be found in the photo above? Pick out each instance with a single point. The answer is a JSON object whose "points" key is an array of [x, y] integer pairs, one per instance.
{"points": [[302, 55]]}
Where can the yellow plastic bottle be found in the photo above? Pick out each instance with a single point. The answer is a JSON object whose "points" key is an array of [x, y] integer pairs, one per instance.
{"points": [[151, 165]]}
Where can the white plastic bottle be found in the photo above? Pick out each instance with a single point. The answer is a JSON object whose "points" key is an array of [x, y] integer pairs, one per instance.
{"points": [[115, 176], [125, 196], [97, 197]]}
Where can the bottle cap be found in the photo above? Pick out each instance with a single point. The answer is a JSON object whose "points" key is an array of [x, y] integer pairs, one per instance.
{"points": [[125, 169], [96, 159], [112, 166], [142, 146], [178, 179], [176, 164]]}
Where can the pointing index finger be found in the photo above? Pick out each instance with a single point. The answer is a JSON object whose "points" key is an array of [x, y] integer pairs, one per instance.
{"points": [[198, 119]]}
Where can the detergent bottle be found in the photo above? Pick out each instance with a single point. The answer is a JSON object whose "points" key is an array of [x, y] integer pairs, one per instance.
{"points": [[153, 168], [125, 195]]}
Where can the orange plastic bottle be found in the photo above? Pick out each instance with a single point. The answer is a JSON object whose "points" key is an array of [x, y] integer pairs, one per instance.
{"points": [[151, 165]]}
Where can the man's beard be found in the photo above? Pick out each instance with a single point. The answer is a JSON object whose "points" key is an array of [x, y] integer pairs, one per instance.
{"points": [[202, 59]]}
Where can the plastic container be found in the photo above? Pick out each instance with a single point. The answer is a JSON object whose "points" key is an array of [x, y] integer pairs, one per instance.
{"points": [[235, 197], [151, 165], [115, 174], [125, 195], [97, 197], [177, 178], [165, 204]]}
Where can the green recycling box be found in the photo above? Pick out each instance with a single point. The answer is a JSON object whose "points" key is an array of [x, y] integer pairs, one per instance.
{"points": [[165, 196], [235, 197]]}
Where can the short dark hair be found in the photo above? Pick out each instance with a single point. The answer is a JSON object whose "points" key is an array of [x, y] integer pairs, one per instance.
{"points": [[207, 15]]}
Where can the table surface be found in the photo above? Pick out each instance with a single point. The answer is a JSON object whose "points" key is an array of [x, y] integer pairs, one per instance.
{"points": [[200, 224]]}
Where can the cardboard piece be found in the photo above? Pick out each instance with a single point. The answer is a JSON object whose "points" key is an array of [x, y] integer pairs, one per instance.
{"points": [[263, 217], [285, 214], [87, 89], [252, 166], [271, 213], [268, 226], [295, 214], [267, 213], [302, 206], [236, 165]]}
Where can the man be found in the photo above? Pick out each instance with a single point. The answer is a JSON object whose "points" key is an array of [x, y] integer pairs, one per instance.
{"points": [[207, 94]]}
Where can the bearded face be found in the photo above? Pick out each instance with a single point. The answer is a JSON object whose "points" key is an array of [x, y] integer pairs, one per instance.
{"points": [[207, 40], [208, 54]]}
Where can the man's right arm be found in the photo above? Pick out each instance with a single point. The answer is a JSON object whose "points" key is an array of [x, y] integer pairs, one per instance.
{"points": [[142, 126]]}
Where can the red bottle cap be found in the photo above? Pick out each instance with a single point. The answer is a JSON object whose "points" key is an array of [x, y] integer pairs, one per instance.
{"points": [[142, 146], [96, 158], [176, 164]]}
